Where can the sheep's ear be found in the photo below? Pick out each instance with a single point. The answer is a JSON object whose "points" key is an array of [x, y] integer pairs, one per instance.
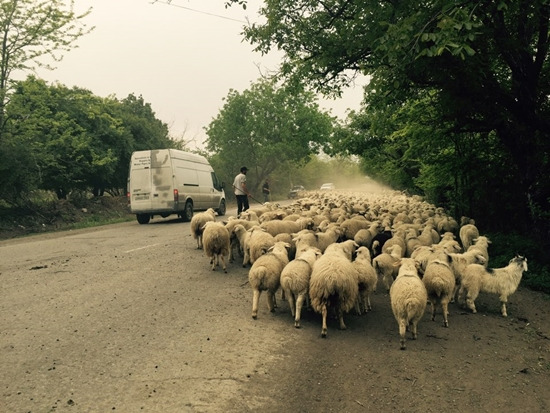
{"points": [[397, 263]]}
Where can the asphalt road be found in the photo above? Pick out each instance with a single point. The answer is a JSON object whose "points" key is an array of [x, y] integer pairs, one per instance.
{"points": [[130, 318]]}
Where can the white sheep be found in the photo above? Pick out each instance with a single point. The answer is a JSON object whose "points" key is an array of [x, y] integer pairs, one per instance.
{"points": [[408, 298], [216, 243], [459, 262], [439, 281], [367, 279], [334, 283], [384, 265], [467, 234], [241, 235], [398, 238], [364, 236], [197, 224], [258, 243], [481, 245], [502, 281], [279, 226], [295, 281], [265, 275]]}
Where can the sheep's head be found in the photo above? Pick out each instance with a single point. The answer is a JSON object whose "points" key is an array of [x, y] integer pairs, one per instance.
{"points": [[520, 261]]}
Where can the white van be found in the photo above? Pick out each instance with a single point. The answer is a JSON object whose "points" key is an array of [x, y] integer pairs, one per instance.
{"points": [[168, 181]]}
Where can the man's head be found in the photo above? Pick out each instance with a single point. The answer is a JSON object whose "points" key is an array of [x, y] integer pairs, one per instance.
{"points": [[244, 170]]}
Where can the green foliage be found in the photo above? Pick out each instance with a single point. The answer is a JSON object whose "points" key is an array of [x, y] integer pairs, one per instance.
{"points": [[32, 30], [65, 140], [266, 128], [454, 85]]}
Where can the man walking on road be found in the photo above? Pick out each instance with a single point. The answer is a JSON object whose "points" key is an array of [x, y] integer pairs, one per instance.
{"points": [[241, 191]]}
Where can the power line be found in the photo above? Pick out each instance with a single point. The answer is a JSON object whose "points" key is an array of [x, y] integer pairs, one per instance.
{"points": [[169, 3]]}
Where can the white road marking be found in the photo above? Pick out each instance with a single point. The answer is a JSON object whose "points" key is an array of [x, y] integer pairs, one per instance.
{"points": [[141, 248]]}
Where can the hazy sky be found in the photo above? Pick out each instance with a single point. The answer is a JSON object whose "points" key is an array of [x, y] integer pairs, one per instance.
{"points": [[183, 58]]}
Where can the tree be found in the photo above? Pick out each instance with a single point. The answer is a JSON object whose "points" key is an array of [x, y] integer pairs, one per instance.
{"points": [[64, 139], [264, 127], [486, 61], [31, 30]]}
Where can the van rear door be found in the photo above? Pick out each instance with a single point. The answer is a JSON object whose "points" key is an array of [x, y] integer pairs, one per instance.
{"points": [[140, 190]]}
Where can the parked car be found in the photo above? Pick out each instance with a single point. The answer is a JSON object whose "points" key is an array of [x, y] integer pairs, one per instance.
{"points": [[327, 187], [295, 191]]}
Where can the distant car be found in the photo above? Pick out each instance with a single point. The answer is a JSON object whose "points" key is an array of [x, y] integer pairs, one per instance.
{"points": [[327, 187], [295, 191]]}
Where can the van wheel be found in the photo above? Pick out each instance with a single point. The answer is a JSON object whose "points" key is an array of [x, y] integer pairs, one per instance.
{"points": [[143, 218], [187, 212], [221, 209]]}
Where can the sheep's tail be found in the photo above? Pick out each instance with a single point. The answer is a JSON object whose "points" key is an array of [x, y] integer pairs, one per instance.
{"points": [[438, 286]]}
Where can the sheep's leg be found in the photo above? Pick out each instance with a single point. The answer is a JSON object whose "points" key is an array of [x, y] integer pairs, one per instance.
{"points": [[246, 258], [299, 305], [471, 296], [413, 329], [255, 301], [324, 312], [503, 301], [213, 262], [271, 301], [433, 310], [358, 305], [341, 319], [455, 290], [223, 264], [445, 310], [369, 307], [293, 306], [402, 331]]}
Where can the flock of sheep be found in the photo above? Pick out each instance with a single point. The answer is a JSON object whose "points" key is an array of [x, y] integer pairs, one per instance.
{"points": [[328, 250]]}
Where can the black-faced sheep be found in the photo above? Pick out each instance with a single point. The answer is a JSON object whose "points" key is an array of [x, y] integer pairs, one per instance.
{"points": [[265, 275], [197, 224], [334, 283], [408, 298], [295, 281], [216, 243], [502, 281]]}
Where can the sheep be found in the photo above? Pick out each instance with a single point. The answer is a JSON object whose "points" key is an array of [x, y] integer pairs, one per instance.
{"points": [[367, 279], [397, 238], [242, 235], [265, 275], [439, 281], [467, 234], [197, 224], [216, 243], [279, 226], [351, 226], [408, 297], [459, 262], [502, 281], [319, 240], [379, 241], [334, 283], [364, 237], [411, 241], [295, 281], [384, 265], [258, 243], [236, 243], [481, 244], [289, 240]]}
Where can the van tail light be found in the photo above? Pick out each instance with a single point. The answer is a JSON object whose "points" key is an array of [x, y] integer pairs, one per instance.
{"points": [[128, 197], [176, 195]]}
